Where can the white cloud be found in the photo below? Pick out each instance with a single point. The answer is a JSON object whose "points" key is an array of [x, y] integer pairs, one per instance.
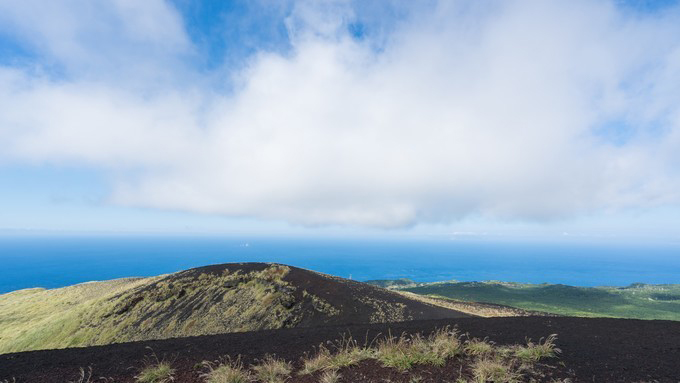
{"points": [[467, 109]]}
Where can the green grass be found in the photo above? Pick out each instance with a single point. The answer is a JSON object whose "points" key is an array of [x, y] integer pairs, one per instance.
{"points": [[347, 353], [136, 309], [486, 370], [405, 352], [227, 371], [161, 372], [637, 301], [533, 352], [272, 370], [39, 318]]}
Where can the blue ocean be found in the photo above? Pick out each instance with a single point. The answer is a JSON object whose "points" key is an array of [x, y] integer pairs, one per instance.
{"points": [[56, 262]]}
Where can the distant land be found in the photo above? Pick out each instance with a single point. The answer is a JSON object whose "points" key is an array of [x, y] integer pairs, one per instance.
{"points": [[636, 301]]}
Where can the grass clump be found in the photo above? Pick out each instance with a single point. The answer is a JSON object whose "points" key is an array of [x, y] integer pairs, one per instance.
{"points": [[155, 370], [331, 376], [533, 352], [226, 371], [272, 370], [445, 343], [494, 370], [348, 353], [477, 347], [161, 372], [406, 351], [318, 362], [394, 352]]}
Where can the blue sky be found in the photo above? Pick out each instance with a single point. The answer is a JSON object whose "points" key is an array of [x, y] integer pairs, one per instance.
{"points": [[454, 119]]}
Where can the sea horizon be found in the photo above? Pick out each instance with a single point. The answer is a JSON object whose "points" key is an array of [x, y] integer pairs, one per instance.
{"points": [[53, 261]]}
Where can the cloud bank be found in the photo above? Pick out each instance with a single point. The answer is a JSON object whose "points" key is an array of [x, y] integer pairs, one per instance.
{"points": [[514, 110]]}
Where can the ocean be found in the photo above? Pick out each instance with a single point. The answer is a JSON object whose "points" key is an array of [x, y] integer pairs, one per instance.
{"points": [[55, 262]]}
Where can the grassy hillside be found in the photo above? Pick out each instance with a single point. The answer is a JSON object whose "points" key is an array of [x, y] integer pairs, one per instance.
{"points": [[40, 318], [638, 301], [210, 300]]}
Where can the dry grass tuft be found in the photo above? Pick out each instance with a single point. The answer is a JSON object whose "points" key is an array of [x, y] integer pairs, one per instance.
{"points": [[533, 352], [272, 370], [158, 373], [494, 370], [331, 376], [477, 347], [406, 351], [348, 353], [155, 370], [85, 376], [320, 361], [226, 371]]}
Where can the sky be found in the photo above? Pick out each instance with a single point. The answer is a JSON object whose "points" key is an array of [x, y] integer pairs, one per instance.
{"points": [[455, 119]]}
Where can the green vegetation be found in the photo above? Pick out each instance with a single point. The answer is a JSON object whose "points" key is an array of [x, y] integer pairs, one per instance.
{"points": [[39, 318], [175, 305], [213, 300], [331, 376], [533, 352], [228, 371], [160, 372], [478, 347], [494, 370], [405, 352], [272, 370], [348, 353], [637, 301]]}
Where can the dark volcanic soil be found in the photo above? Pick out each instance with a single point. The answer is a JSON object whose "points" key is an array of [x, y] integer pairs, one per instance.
{"points": [[598, 350]]}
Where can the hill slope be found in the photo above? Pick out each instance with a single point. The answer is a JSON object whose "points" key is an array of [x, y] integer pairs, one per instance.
{"points": [[207, 300], [638, 301]]}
